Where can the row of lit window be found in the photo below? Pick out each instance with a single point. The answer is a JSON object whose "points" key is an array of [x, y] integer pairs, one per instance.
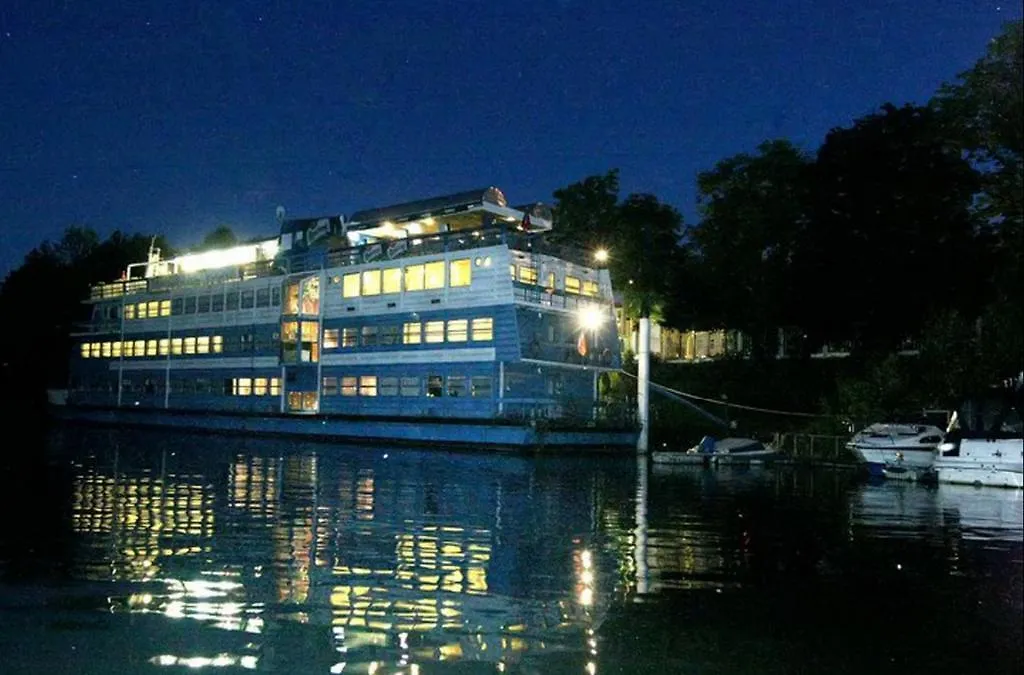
{"points": [[432, 386], [528, 275], [218, 302], [253, 386], [422, 277], [203, 344], [411, 333]]}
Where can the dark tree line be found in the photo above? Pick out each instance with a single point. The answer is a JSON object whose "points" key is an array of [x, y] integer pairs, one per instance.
{"points": [[904, 226]]}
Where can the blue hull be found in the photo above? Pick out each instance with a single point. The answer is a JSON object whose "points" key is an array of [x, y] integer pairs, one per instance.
{"points": [[481, 434]]}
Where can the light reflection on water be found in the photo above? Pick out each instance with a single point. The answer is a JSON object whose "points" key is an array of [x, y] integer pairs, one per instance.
{"points": [[193, 552]]}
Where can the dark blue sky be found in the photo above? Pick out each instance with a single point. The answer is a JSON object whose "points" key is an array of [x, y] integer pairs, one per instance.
{"points": [[175, 117]]}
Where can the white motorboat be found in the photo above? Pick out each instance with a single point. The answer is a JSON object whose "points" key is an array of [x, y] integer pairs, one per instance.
{"points": [[901, 451], [985, 445], [712, 452]]}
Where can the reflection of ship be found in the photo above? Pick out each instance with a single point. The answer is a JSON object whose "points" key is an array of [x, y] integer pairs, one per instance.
{"points": [[381, 554], [918, 512]]}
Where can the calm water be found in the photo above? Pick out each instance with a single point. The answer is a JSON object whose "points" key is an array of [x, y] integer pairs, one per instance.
{"points": [[128, 552]]}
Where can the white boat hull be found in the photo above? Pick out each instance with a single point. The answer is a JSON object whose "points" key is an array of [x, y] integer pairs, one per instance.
{"points": [[897, 463], [993, 462]]}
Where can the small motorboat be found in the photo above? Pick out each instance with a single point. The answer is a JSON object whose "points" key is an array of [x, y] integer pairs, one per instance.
{"points": [[712, 452], [901, 451]]}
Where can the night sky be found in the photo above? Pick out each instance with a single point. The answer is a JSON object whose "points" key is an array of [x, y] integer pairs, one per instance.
{"points": [[175, 117]]}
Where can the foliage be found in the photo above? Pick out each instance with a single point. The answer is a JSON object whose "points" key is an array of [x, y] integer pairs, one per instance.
{"points": [[44, 298], [891, 238], [753, 208], [641, 234], [221, 237]]}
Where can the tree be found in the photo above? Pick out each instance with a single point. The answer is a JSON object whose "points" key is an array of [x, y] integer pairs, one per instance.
{"points": [[222, 237], [43, 296], [984, 115], [753, 211], [891, 238]]}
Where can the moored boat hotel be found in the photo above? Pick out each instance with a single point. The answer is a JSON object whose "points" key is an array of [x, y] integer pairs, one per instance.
{"points": [[448, 320]]}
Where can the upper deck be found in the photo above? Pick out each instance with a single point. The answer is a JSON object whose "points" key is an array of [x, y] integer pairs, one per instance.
{"points": [[463, 221]]}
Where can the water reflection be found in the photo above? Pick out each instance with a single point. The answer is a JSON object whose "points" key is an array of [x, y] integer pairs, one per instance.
{"points": [[943, 512], [399, 560], [230, 554]]}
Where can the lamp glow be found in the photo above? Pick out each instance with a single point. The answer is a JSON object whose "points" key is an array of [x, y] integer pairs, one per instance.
{"points": [[601, 255], [589, 317]]}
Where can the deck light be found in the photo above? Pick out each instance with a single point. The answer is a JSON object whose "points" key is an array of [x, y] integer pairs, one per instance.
{"points": [[589, 317], [601, 255]]}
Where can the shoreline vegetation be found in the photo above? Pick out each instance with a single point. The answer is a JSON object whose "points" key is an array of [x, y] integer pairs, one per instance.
{"points": [[905, 228]]}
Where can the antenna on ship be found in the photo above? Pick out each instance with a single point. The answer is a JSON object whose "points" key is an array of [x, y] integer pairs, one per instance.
{"points": [[154, 252], [280, 214]]}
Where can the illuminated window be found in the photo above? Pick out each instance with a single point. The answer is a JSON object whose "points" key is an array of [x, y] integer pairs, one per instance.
{"points": [[433, 275], [330, 338], [105, 350], [350, 286], [572, 284], [349, 386], [371, 282], [392, 280], [410, 386], [483, 329], [388, 386], [115, 350], [330, 386], [434, 331], [311, 295], [259, 386], [165, 308], [291, 299], [459, 272], [275, 386], [218, 344], [140, 348], [203, 344], [456, 385], [411, 333], [242, 386], [368, 385], [435, 386], [85, 350], [512, 270], [295, 400], [457, 330], [550, 282], [481, 386], [190, 345], [176, 346], [129, 348], [164, 346], [349, 337], [151, 346], [129, 311], [414, 278], [153, 309], [527, 275], [590, 288]]}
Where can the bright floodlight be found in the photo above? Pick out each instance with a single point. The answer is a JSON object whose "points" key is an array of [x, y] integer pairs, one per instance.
{"points": [[601, 255], [589, 317]]}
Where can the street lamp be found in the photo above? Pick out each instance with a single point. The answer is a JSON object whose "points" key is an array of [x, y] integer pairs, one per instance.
{"points": [[601, 255]]}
